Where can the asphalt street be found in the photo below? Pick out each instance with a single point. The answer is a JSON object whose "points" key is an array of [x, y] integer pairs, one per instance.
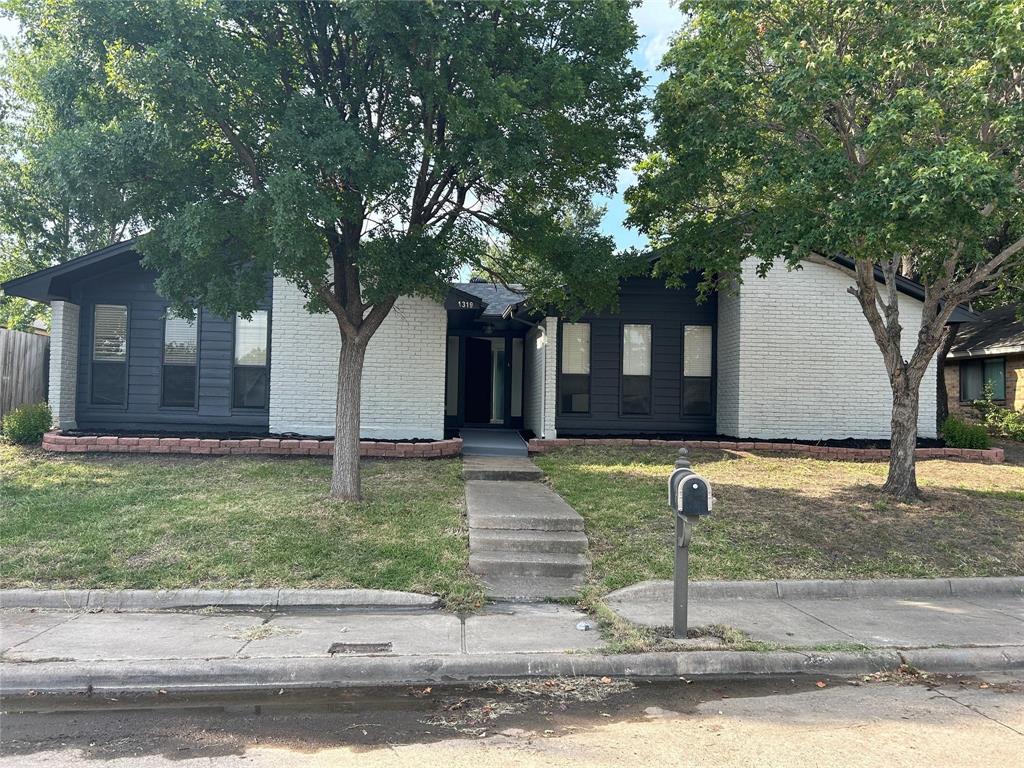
{"points": [[892, 720]]}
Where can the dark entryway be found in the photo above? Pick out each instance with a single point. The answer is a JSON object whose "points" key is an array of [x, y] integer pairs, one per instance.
{"points": [[485, 379], [478, 380]]}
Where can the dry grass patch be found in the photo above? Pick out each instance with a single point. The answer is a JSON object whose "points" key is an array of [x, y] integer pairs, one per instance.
{"points": [[778, 516]]}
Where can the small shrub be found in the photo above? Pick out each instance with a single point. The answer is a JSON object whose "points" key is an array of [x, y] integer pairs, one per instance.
{"points": [[27, 424], [1000, 421], [959, 434]]}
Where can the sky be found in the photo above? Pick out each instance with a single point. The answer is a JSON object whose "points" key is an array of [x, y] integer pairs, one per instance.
{"points": [[656, 21]]}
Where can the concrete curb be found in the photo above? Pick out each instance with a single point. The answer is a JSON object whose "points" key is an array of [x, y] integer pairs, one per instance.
{"points": [[155, 600], [225, 675], [820, 589]]}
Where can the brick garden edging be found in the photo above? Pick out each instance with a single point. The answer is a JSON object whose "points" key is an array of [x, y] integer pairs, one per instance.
{"points": [[988, 455], [55, 441]]}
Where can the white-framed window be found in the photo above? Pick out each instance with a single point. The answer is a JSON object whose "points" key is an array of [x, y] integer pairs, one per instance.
{"points": [[109, 370], [180, 361], [697, 394], [574, 380], [250, 382], [636, 369]]}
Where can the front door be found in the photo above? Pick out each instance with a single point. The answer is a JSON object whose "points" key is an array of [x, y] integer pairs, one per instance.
{"points": [[478, 378]]}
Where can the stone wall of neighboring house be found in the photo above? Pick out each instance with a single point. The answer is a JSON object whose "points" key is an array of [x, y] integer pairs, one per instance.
{"points": [[1015, 382], [797, 359], [541, 376], [403, 375], [63, 374]]}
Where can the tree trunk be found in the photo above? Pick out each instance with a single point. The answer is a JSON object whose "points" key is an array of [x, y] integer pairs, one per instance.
{"points": [[902, 479], [942, 396], [345, 473]]}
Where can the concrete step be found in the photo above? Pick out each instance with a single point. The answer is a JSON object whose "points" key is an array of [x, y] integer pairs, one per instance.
{"points": [[494, 468], [518, 505], [498, 540], [518, 589], [527, 564], [525, 522], [492, 442]]}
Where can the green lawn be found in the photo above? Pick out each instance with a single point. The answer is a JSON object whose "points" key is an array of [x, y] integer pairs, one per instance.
{"points": [[778, 516], [163, 522]]}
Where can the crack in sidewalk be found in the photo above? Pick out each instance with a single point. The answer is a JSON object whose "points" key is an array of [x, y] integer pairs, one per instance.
{"points": [[1000, 611], [40, 634], [974, 709], [818, 619]]}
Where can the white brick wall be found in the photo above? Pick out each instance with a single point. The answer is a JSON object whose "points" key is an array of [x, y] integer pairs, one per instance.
{"points": [[541, 378], [403, 375], [796, 359], [63, 374], [728, 363]]}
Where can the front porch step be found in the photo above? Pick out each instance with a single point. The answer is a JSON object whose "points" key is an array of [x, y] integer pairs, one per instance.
{"points": [[497, 540], [519, 590], [500, 468], [492, 442], [533, 564]]}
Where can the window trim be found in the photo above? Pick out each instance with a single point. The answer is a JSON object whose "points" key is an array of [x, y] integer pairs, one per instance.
{"points": [[123, 406], [590, 366], [713, 378], [266, 365], [965, 363], [163, 349], [622, 375]]}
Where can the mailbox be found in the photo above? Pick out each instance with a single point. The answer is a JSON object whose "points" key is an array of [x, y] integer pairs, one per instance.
{"points": [[689, 494]]}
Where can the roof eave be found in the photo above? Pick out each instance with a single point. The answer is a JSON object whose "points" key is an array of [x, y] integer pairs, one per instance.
{"points": [[38, 286]]}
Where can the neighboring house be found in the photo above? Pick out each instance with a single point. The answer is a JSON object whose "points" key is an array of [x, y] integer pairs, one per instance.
{"points": [[789, 356], [989, 351]]}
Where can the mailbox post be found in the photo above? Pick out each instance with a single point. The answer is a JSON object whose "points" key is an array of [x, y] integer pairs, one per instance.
{"points": [[689, 496]]}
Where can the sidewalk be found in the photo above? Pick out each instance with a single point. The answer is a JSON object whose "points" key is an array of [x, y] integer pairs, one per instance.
{"points": [[203, 650]]}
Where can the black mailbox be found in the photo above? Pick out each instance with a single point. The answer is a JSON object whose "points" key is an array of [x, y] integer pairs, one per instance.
{"points": [[689, 494]]}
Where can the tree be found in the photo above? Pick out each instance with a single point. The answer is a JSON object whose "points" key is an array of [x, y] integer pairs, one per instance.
{"points": [[363, 150], [889, 132], [48, 214]]}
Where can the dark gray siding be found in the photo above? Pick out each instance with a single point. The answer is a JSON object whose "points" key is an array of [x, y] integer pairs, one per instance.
{"points": [[642, 300], [133, 286]]}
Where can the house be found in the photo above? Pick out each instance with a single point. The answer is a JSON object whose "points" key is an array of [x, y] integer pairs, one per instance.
{"points": [[988, 352], [788, 356]]}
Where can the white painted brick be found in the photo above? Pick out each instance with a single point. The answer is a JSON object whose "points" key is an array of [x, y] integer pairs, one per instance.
{"points": [[63, 374], [797, 359], [403, 373], [541, 377]]}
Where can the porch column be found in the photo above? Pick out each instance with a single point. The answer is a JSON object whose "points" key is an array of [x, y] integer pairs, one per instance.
{"points": [[550, 377], [63, 377]]}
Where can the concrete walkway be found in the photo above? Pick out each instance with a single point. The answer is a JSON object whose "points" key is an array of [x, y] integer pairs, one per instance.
{"points": [[525, 542], [878, 614], [74, 651]]}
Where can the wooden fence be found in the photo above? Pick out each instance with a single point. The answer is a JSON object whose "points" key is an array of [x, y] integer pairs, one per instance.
{"points": [[23, 362]]}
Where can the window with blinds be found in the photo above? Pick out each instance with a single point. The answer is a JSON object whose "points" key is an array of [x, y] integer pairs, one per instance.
{"points": [[574, 380], [181, 347], [978, 375], [250, 380], [636, 369], [697, 395], [109, 368]]}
